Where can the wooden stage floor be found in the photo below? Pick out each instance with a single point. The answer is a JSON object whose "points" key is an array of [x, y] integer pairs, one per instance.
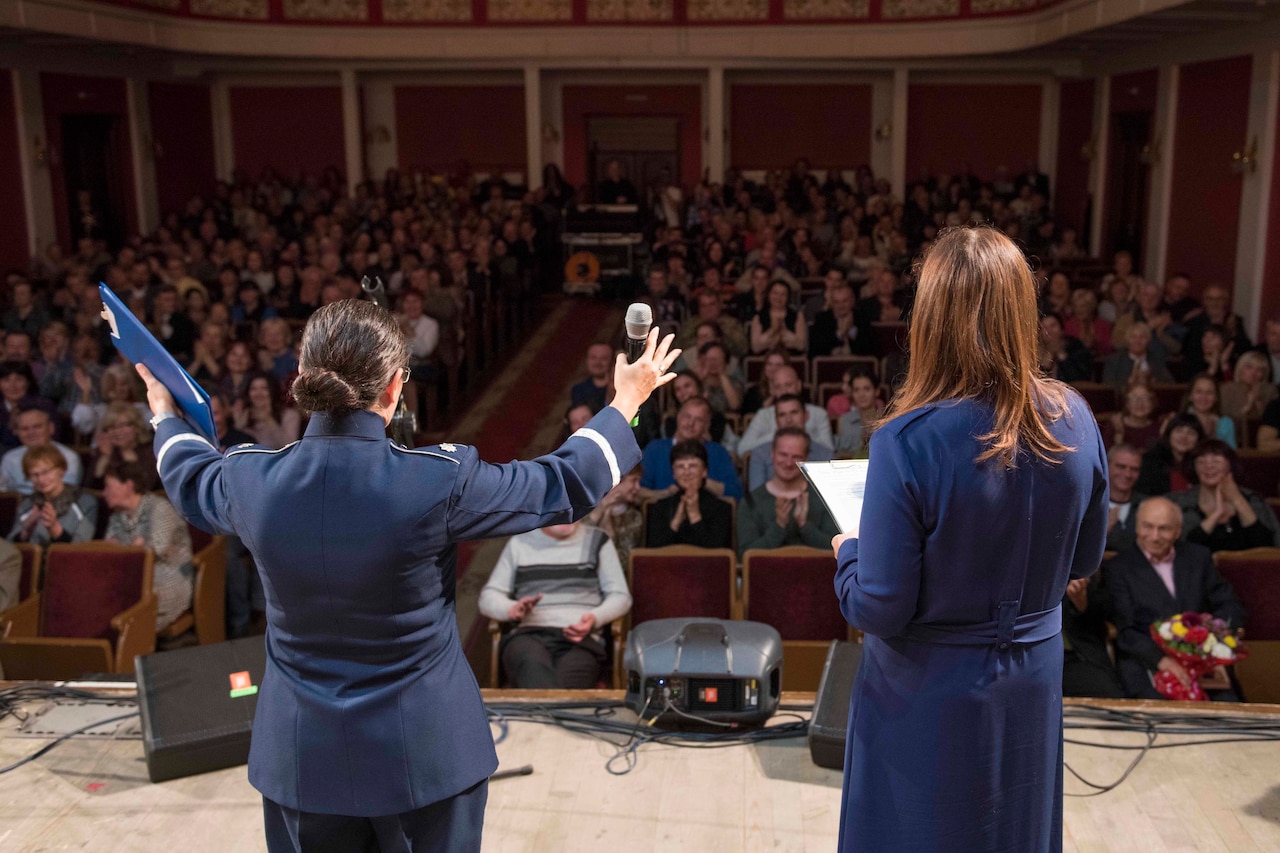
{"points": [[94, 795]]}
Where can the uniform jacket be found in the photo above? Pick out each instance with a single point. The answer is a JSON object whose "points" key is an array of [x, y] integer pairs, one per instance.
{"points": [[367, 706]]}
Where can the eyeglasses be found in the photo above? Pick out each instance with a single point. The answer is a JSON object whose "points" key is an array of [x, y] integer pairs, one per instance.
{"points": [[405, 373]]}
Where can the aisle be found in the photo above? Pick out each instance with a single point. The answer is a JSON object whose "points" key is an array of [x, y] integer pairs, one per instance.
{"points": [[520, 416]]}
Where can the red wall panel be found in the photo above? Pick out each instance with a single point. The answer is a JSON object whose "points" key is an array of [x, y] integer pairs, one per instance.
{"points": [[182, 127], [1270, 307], [972, 128], [67, 95], [288, 129], [1075, 129], [13, 234], [1135, 91], [1213, 119], [583, 102], [771, 126], [439, 126]]}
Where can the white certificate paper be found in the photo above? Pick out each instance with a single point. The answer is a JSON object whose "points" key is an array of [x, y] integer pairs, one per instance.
{"points": [[841, 484]]}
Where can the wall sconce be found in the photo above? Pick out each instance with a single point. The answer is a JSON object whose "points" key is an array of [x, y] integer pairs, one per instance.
{"points": [[884, 132], [1150, 154], [1246, 160], [1089, 150], [549, 134]]}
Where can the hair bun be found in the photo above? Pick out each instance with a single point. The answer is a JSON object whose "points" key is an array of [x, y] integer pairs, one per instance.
{"points": [[320, 390]]}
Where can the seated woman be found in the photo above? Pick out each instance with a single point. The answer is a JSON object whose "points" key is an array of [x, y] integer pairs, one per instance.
{"points": [[619, 516], [1218, 513], [144, 518], [1135, 424], [856, 424], [563, 584], [693, 515], [1245, 398], [760, 394], [777, 324], [1084, 324], [237, 371], [123, 436], [117, 385], [262, 414], [54, 511], [1164, 467], [275, 350], [1202, 401], [687, 385]]}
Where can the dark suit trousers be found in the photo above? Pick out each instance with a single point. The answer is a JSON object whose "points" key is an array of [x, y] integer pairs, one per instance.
{"points": [[542, 659], [452, 825]]}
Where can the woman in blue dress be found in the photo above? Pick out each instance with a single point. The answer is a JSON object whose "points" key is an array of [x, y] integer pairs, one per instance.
{"points": [[986, 493]]}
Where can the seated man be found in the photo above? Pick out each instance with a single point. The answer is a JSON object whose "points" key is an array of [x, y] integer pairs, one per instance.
{"points": [[781, 511], [594, 390], [1087, 669], [834, 329], [760, 431], [692, 424], [1138, 361], [789, 411], [693, 515], [1124, 463], [562, 584], [34, 427], [1152, 580]]}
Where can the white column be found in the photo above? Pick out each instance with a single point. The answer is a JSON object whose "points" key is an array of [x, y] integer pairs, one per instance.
{"points": [[881, 115], [1255, 196], [533, 126], [899, 130], [37, 186], [352, 138], [1050, 99], [1098, 169], [1160, 192], [716, 160], [144, 160], [224, 150]]}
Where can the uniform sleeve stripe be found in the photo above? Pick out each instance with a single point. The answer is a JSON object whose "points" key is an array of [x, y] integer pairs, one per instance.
{"points": [[182, 436], [606, 449]]}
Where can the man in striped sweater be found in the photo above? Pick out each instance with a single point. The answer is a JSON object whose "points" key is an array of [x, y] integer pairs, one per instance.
{"points": [[562, 584]]}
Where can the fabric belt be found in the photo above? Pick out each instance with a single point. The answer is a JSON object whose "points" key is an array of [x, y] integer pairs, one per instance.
{"points": [[1007, 628]]}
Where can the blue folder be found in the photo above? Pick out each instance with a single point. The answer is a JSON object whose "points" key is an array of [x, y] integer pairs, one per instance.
{"points": [[136, 343]]}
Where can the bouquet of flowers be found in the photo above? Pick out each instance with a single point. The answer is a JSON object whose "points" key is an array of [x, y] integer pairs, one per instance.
{"points": [[1200, 643]]}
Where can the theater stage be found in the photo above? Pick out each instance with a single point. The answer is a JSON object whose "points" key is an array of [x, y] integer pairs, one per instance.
{"points": [[94, 795]]}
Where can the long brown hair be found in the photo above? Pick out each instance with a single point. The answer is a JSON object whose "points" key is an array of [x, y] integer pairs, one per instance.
{"points": [[975, 334]]}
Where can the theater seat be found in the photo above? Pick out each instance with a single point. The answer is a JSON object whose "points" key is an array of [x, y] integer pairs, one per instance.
{"points": [[613, 633], [24, 619], [1255, 576], [1101, 398], [791, 589], [682, 580], [95, 613], [1260, 471]]}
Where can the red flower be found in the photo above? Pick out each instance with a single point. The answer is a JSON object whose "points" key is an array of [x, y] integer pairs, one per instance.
{"points": [[1197, 635], [1190, 619]]}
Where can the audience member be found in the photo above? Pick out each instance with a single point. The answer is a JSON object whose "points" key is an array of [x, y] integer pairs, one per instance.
{"points": [[693, 423], [1085, 324], [123, 436], [1138, 361], [693, 515], [35, 428], [785, 382], [761, 393], [711, 310], [720, 385], [1124, 463], [1152, 580], [834, 330], [594, 390], [561, 585], [1087, 669], [1062, 356], [16, 387], [1135, 423], [780, 511], [143, 518], [618, 515], [54, 511], [1217, 512], [1178, 300], [275, 350], [1217, 312], [789, 413], [856, 425], [263, 415], [10, 575], [777, 324], [1149, 309], [117, 384], [1246, 398], [1202, 401], [1164, 466]]}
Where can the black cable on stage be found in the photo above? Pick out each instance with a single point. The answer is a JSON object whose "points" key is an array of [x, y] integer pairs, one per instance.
{"points": [[48, 746]]}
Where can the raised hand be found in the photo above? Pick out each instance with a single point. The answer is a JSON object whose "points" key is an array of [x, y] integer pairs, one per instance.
{"points": [[521, 608]]}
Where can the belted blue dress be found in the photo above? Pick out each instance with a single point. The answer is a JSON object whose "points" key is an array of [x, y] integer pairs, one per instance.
{"points": [[955, 726]]}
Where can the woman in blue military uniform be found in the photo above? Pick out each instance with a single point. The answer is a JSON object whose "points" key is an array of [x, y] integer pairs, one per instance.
{"points": [[986, 492], [370, 732]]}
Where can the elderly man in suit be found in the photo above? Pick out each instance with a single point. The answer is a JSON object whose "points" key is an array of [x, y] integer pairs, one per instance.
{"points": [[1153, 579]]}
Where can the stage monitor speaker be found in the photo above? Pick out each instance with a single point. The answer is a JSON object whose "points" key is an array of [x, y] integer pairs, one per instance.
{"points": [[197, 706], [829, 724]]}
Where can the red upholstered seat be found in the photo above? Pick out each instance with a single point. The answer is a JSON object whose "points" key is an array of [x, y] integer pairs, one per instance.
{"points": [[85, 586], [1260, 471], [1169, 397], [8, 511], [831, 368], [791, 589], [889, 337], [1101, 398], [1255, 577], [199, 539], [681, 580], [753, 367]]}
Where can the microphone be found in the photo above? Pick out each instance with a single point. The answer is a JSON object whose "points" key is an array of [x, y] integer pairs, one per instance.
{"points": [[376, 291], [638, 322]]}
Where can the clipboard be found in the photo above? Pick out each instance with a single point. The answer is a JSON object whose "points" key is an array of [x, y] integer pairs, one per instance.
{"points": [[840, 485], [136, 343]]}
